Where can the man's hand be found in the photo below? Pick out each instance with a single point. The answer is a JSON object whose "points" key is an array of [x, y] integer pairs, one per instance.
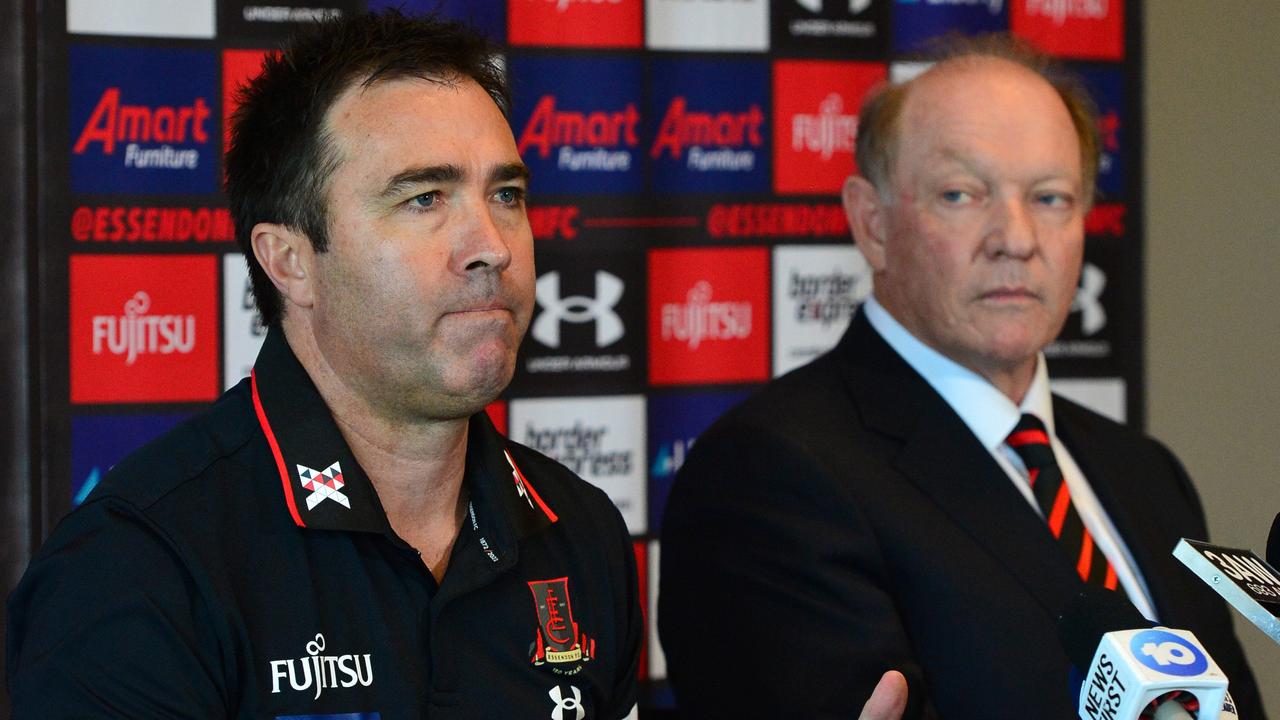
{"points": [[888, 700]]}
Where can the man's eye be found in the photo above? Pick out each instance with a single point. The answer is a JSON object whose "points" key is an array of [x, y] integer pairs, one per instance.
{"points": [[510, 195], [956, 197], [1054, 200], [425, 200]]}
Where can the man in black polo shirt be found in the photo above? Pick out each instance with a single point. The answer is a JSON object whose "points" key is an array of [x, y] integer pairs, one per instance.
{"points": [[345, 535]]}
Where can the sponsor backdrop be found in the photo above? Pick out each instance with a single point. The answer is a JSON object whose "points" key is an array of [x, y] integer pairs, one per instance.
{"points": [[690, 245]]}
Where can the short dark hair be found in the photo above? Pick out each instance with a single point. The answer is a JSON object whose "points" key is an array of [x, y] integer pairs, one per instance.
{"points": [[281, 155], [878, 120]]}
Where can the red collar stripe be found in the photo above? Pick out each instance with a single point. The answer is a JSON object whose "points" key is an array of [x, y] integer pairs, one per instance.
{"points": [[275, 450], [532, 493]]}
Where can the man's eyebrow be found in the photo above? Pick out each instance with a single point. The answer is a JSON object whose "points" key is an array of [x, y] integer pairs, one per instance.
{"points": [[420, 175], [965, 160], [509, 171]]}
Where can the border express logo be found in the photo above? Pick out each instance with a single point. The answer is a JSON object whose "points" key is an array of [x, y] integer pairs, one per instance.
{"points": [[707, 24], [576, 133], [588, 323], [575, 23], [815, 125], [98, 442], [144, 328], [917, 21], [1086, 29], [143, 121], [816, 290], [709, 136], [708, 315], [675, 422], [601, 439]]}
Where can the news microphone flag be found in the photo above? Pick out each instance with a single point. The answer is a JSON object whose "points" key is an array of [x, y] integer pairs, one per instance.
{"points": [[1242, 578], [1136, 668]]}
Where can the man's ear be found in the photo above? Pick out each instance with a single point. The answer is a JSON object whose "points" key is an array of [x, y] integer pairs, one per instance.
{"points": [[288, 259], [867, 213]]}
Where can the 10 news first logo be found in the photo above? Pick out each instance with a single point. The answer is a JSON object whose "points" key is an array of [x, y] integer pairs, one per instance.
{"points": [[1133, 668]]}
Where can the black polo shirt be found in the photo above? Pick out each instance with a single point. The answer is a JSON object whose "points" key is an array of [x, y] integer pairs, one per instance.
{"points": [[243, 567]]}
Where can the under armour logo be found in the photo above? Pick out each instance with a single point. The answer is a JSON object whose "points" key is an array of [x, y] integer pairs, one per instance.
{"points": [[1088, 299], [815, 6], [324, 485], [578, 309], [563, 703]]}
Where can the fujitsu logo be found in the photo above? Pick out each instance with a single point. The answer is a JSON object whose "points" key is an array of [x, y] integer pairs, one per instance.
{"points": [[112, 121], [562, 5], [683, 128], [827, 132], [578, 309], [1060, 10], [137, 333], [550, 127], [322, 671], [700, 319]]}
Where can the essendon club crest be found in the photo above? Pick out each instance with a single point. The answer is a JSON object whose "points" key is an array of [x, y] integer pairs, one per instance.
{"points": [[559, 640]]}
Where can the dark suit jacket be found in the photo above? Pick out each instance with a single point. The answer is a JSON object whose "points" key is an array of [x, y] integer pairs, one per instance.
{"points": [[845, 521]]}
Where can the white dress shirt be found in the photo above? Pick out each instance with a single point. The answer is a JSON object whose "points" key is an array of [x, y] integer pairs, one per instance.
{"points": [[991, 416]]}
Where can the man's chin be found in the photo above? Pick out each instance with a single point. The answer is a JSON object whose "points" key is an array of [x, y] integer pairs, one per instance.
{"points": [[482, 384]]}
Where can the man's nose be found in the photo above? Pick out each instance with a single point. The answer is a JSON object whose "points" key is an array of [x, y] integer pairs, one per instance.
{"points": [[482, 244], [1012, 231]]}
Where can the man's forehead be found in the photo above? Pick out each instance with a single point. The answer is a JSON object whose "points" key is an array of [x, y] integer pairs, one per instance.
{"points": [[965, 80], [359, 94], [383, 111], [981, 92]]}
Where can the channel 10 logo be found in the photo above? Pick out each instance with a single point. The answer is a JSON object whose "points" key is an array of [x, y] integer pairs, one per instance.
{"points": [[1168, 653]]}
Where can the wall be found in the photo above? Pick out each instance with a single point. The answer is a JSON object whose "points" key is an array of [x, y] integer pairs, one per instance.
{"points": [[1213, 250]]}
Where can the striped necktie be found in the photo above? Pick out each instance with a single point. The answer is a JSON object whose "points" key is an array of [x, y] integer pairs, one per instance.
{"points": [[1031, 441]]}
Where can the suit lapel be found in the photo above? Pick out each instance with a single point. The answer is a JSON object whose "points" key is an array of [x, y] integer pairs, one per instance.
{"points": [[941, 457]]}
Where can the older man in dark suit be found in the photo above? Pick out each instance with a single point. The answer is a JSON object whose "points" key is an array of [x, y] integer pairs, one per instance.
{"points": [[917, 499]]}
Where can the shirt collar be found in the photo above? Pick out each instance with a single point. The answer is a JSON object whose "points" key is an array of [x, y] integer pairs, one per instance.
{"points": [[324, 486], [987, 412]]}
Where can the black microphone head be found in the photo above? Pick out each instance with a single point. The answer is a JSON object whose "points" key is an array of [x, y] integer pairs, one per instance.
{"points": [[1092, 613], [1273, 543]]}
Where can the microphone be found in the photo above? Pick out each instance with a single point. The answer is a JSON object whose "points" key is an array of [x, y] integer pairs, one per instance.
{"points": [[1250, 585], [1137, 670]]}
